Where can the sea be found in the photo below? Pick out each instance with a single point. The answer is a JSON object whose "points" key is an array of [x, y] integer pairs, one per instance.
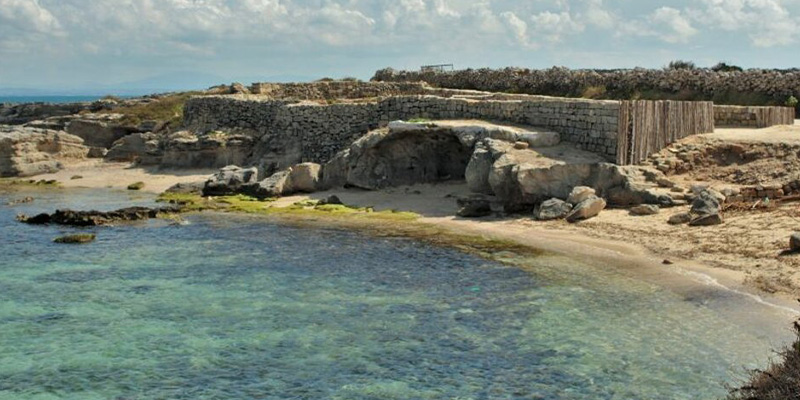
{"points": [[235, 307], [48, 99]]}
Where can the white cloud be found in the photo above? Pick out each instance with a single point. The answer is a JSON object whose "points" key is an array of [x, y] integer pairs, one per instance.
{"points": [[27, 16], [767, 23], [671, 25], [517, 26], [554, 27]]}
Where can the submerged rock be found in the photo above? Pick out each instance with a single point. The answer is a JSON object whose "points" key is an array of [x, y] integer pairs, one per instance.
{"points": [[78, 238], [96, 218]]}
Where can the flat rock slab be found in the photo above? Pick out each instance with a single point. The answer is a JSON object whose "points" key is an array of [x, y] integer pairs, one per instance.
{"points": [[97, 218]]}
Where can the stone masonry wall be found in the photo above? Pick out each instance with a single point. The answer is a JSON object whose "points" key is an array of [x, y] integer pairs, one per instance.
{"points": [[752, 117], [325, 90], [295, 132]]}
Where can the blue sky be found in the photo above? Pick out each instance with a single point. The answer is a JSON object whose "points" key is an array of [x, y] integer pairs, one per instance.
{"points": [[66, 44]]}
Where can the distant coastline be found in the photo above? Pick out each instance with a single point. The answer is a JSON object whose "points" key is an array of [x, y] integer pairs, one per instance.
{"points": [[49, 99]]}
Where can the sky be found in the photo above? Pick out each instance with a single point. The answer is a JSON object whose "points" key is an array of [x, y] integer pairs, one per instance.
{"points": [[87, 45]]}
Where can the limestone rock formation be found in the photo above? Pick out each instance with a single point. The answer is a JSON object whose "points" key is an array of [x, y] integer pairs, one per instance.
{"points": [[185, 149], [278, 184], [99, 130], [26, 151], [142, 147]]}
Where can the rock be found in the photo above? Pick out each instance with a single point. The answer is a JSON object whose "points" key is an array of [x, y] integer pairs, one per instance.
{"points": [[76, 177], [96, 218], [143, 147], [521, 145], [586, 209], [99, 130], [386, 158], [26, 151], [474, 207], [705, 204], [332, 200], [680, 218], [540, 138], [304, 178], [677, 189], [552, 209], [78, 238], [97, 152], [136, 186], [185, 149], [645, 209], [794, 242], [230, 180], [186, 188], [278, 184], [706, 220], [665, 183], [580, 194], [667, 262], [478, 170]]}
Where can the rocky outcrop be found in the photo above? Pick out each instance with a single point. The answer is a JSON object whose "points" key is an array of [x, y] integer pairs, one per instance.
{"points": [[142, 147], [474, 207], [96, 218], [18, 114], [185, 149], [99, 130], [26, 151], [305, 178]]}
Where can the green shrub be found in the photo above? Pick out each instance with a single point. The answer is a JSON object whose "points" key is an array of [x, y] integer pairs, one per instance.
{"points": [[791, 101], [681, 64], [724, 67]]}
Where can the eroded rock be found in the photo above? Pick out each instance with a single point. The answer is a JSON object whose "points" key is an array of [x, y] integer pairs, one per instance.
{"points": [[586, 209], [552, 209]]}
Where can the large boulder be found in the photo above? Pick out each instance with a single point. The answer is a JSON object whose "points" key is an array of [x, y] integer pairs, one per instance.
{"points": [[705, 204], [478, 170], [474, 207], [552, 209], [230, 180], [580, 194], [586, 209], [276, 185], [26, 151], [304, 177]]}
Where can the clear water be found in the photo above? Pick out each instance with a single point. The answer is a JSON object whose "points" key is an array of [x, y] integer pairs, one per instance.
{"points": [[230, 307], [47, 99]]}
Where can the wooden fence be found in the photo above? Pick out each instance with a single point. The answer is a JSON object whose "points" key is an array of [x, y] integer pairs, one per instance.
{"points": [[646, 127], [753, 117]]}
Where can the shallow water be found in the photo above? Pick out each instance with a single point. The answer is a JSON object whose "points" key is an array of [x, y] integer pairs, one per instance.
{"points": [[231, 307]]}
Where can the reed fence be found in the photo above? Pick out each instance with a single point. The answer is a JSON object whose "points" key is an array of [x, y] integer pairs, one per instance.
{"points": [[646, 126]]}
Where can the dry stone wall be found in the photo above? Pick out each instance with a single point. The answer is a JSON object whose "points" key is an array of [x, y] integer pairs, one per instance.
{"points": [[752, 117], [774, 85], [298, 132], [325, 90]]}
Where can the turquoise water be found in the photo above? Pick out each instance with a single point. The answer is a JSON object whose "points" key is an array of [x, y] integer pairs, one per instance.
{"points": [[47, 99], [232, 307]]}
